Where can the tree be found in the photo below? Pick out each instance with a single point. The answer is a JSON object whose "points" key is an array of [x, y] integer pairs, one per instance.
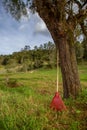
{"points": [[6, 60], [61, 18], [79, 51], [49, 49], [27, 48], [35, 47], [62, 24], [84, 44]]}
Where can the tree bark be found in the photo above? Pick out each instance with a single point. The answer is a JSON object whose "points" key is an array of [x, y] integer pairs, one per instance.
{"points": [[68, 64]]}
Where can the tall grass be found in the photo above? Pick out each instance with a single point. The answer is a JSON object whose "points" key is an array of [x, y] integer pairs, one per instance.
{"points": [[26, 105]]}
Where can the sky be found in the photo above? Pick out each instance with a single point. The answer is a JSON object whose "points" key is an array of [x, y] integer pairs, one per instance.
{"points": [[14, 35]]}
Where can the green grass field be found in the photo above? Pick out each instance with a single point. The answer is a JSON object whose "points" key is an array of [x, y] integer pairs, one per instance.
{"points": [[25, 102]]}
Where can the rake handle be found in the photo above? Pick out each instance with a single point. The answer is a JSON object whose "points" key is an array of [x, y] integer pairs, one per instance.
{"points": [[57, 73]]}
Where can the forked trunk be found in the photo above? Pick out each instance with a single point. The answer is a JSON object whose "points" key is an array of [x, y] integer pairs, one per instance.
{"points": [[68, 63], [71, 82]]}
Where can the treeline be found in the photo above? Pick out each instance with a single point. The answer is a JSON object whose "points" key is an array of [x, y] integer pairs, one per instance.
{"points": [[42, 56], [27, 59]]}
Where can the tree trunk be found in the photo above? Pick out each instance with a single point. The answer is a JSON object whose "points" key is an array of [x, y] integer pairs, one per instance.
{"points": [[67, 57], [68, 64], [71, 82]]}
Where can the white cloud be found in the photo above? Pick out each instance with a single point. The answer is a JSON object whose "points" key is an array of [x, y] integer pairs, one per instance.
{"points": [[22, 27], [40, 26], [75, 8], [15, 35]]}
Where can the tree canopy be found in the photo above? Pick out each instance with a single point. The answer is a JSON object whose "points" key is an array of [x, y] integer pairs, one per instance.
{"points": [[71, 12]]}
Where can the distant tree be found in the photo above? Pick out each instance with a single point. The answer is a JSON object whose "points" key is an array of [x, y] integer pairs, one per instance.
{"points": [[19, 58], [79, 51], [84, 44], [50, 46], [45, 46], [50, 53], [1, 59], [27, 48], [35, 47], [5, 60], [41, 47]]}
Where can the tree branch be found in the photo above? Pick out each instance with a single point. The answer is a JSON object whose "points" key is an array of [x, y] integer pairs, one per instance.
{"points": [[78, 3], [84, 28], [84, 3], [81, 16]]}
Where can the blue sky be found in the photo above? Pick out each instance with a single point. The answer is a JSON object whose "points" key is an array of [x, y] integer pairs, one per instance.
{"points": [[15, 35]]}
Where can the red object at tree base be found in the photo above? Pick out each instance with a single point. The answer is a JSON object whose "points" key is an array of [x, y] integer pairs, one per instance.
{"points": [[57, 103]]}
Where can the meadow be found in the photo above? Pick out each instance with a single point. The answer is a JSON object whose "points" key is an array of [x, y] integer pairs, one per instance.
{"points": [[25, 102]]}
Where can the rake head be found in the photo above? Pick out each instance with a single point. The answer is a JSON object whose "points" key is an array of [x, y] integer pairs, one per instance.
{"points": [[57, 103]]}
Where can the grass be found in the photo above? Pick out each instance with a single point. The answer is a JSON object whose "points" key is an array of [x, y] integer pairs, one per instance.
{"points": [[25, 102]]}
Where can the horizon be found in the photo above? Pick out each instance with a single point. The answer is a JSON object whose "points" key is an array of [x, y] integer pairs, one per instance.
{"points": [[22, 49]]}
